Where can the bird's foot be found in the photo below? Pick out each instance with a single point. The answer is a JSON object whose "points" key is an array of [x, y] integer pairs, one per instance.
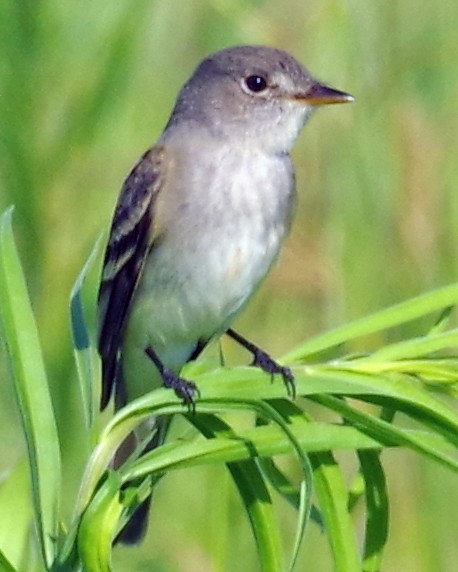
{"points": [[266, 363], [186, 390], [183, 388]]}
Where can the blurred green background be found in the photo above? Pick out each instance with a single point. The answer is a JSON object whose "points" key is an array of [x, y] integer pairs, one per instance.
{"points": [[86, 87]]}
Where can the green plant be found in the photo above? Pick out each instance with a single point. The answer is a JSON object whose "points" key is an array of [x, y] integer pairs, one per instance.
{"points": [[366, 394]]}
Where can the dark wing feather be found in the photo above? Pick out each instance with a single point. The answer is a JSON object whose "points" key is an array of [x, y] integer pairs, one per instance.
{"points": [[129, 243]]}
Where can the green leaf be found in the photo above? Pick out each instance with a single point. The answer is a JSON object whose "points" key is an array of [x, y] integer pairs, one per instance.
{"points": [[387, 433], [377, 510], [224, 390], [83, 350], [253, 490], [398, 314], [31, 389], [396, 391], [294, 415], [248, 383], [258, 504], [333, 501], [98, 526], [5, 565], [414, 348]]}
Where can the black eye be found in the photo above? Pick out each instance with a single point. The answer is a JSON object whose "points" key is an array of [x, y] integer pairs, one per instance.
{"points": [[256, 83]]}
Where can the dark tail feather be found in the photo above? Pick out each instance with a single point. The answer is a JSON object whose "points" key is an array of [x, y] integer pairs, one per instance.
{"points": [[135, 529]]}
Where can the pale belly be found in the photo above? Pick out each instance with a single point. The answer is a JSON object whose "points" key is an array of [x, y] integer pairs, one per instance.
{"points": [[195, 299], [191, 294]]}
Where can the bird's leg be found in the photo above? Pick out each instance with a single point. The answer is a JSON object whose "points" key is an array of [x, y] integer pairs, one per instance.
{"points": [[266, 363], [183, 388]]}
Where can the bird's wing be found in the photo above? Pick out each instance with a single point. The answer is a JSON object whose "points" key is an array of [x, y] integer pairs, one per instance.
{"points": [[131, 237]]}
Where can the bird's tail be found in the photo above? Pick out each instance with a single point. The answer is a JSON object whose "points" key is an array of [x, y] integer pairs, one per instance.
{"points": [[135, 529]]}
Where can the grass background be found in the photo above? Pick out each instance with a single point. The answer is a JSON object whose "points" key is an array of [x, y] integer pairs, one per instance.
{"points": [[85, 88]]}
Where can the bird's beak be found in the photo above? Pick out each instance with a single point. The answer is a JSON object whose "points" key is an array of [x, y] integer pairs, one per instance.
{"points": [[320, 94]]}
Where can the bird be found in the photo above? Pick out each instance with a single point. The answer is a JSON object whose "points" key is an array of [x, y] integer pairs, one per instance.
{"points": [[199, 222]]}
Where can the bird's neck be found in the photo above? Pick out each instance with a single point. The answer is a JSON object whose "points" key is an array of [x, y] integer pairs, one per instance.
{"points": [[178, 134]]}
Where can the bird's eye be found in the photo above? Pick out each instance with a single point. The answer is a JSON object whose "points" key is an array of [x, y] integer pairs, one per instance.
{"points": [[255, 83]]}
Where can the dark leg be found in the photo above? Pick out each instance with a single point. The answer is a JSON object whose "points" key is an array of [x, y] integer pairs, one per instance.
{"points": [[183, 388], [266, 363]]}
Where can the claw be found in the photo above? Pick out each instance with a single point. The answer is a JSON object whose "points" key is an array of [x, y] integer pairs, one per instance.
{"points": [[183, 388], [266, 363]]}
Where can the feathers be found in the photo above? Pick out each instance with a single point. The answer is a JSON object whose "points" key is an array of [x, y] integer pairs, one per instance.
{"points": [[131, 237]]}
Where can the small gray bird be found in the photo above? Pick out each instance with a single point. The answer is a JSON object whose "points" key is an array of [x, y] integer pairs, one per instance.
{"points": [[198, 224]]}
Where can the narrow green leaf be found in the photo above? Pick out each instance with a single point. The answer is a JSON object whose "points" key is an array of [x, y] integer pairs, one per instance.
{"points": [[82, 347], [262, 441], [438, 371], [377, 510], [286, 489], [98, 526], [246, 473], [304, 512], [252, 489], [386, 432], [5, 565], [123, 423], [255, 495], [237, 389], [292, 414], [442, 321], [31, 389], [414, 348], [258, 504], [398, 392], [280, 482], [356, 491], [333, 501], [249, 383], [401, 313]]}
